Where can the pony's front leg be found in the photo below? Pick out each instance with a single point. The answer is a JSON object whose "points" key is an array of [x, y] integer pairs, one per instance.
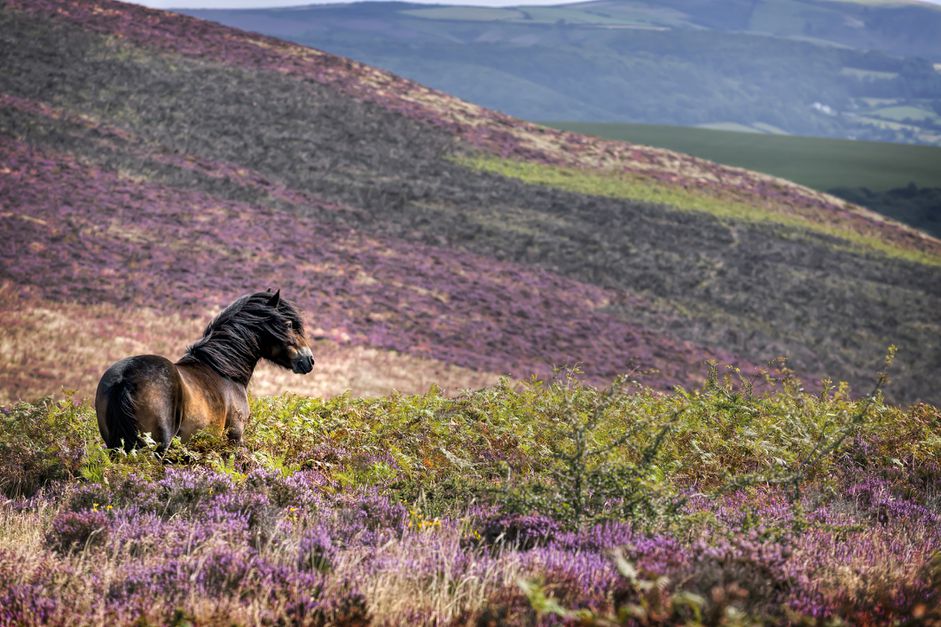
{"points": [[235, 425]]}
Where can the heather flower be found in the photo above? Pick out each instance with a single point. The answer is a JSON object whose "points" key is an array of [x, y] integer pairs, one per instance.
{"points": [[184, 488], [27, 604], [132, 490], [344, 606], [316, 551], [78, 530], [370, 517], [745, 563]]}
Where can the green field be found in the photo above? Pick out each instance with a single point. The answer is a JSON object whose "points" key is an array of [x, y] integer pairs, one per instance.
{"points": [[822, 164]]}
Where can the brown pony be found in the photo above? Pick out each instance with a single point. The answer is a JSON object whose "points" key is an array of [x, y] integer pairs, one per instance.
{"points": [[208, 386]]}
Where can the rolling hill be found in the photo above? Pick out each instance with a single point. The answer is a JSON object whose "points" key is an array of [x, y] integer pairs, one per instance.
{"points": [[155, 166], [859, 70], [900, 181]]}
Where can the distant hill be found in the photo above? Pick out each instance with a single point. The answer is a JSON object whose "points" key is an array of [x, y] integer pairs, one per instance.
{"points": [[155, 166], [900, 181], [860, 70]]}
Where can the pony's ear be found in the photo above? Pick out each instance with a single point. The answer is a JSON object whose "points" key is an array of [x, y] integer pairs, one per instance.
{"points": [[275, 299]]}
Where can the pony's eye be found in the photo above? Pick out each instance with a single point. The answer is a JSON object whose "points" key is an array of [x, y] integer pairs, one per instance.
{"points": [[290, 324]]}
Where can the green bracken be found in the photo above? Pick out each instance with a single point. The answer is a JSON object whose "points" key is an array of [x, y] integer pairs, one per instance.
{"points": [[531, 439]]}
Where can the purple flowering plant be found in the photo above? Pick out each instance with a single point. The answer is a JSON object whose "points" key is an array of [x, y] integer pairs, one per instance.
{"points": [[297, 526]]}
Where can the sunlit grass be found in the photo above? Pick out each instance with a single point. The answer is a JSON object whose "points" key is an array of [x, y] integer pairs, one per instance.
{"points": [[635, 187], [49, 347]]}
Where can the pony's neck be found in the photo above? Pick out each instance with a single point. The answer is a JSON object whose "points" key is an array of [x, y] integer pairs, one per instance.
{"points": [[230, 356]]}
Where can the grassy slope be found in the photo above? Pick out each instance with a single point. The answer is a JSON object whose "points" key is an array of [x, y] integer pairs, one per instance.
{"points": [[377, 217], [52, 347], [634, 188], [816, 162], [876, 175]]}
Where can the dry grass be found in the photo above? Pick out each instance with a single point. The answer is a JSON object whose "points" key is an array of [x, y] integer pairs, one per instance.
{"points": [[366, 372], [443, 589], [51, 348], [438, 591]]}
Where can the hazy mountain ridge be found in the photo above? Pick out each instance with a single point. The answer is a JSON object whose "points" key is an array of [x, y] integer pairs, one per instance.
{"points": [[153, 160], [808, 67]]}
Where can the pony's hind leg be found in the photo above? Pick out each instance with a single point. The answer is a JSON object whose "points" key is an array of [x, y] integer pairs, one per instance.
{"points": [[139, 396], [153, 425]]}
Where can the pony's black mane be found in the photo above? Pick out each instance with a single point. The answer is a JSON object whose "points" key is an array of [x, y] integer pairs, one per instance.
{"points": [[239, 336]]}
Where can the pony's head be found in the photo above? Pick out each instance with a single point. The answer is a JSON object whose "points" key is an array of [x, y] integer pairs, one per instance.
{"points": [[287, 345], [256, 326]]}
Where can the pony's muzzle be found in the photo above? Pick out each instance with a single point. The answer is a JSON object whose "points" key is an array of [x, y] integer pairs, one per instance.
{"points": [[304, 362]]}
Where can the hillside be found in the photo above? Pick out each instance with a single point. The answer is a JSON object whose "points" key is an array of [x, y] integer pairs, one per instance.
{"points": [[860, 70], [155, 166], [900, 181]]}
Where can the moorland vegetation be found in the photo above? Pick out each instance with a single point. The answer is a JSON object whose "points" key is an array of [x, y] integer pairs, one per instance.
{"points": [[742, 501], [160, 165], [156, 166]]}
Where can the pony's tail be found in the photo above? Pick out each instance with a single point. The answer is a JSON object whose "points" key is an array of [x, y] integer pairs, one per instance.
{"points": [[122, 425]]}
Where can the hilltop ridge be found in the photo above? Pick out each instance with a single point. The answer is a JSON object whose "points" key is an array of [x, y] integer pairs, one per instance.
{"points": [[805, 67], [155, 163]]}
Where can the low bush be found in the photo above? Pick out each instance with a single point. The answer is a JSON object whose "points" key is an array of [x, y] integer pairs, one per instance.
{"points": [[741, 500], [42, 442]]}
